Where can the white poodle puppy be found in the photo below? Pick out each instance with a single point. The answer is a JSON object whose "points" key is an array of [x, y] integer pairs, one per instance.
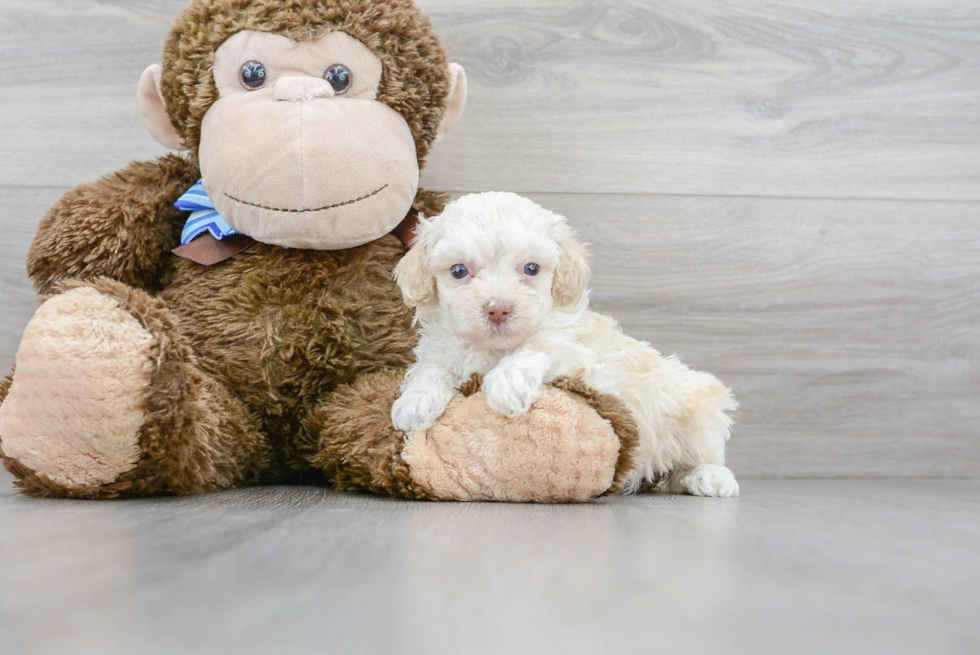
{"points": [[499, 287]]}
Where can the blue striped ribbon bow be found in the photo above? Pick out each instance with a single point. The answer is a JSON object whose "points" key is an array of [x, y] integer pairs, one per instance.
{"points": [[203, 217]]}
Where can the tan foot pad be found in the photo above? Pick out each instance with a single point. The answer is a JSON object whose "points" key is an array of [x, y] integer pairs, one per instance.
{"points": [[560, 451], [74, 410]]}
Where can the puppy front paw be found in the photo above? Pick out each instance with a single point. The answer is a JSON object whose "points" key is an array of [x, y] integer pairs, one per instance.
{"points": [[418, 410], [512, 386]]}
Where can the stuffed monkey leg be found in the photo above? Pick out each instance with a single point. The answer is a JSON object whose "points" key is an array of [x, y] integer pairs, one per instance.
{"points": [[106, 401], [573, 445]]}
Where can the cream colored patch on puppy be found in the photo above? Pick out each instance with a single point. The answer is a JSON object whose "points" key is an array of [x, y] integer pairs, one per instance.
{"points": [[499, 285]]}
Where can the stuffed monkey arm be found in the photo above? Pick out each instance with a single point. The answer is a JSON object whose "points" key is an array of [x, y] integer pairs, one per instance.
{"points": [[121, 227]]}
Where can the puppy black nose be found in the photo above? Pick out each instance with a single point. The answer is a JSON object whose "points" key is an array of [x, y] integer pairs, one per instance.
{"points": [[498, 313]]}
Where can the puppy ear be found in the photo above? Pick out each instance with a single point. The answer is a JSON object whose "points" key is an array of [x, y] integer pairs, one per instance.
{"points": [[412, 273], [573, 271]]}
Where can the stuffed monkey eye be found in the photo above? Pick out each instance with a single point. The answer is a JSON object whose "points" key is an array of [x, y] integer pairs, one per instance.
{"points": [[253, 75], [531, 269], [340, 78], [459, 271]]}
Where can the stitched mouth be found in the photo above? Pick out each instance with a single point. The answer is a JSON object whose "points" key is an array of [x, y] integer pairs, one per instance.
{"points": [[304, 211]]}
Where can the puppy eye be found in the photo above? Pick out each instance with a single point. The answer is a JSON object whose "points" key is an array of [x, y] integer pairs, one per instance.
{"points": [[459, 271], [253, 75], [531, 269], [340, 78]]}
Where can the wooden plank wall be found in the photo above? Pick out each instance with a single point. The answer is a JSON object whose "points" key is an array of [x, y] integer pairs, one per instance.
{"points": [[785, 192]]}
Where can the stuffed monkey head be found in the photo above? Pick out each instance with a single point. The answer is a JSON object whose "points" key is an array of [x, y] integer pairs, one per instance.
{"points": [[310, 119]]}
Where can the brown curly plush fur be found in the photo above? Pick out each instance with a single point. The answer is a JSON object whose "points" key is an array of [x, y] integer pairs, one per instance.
{"points": [[415, 81], [121, 227], [247, 348], [197, 437], [350, 437]]}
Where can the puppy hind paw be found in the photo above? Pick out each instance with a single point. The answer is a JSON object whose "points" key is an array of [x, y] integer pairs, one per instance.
{"points": [[706, 480]]}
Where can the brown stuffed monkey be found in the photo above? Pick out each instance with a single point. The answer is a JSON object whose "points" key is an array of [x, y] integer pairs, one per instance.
{"points": [[261, 338]]}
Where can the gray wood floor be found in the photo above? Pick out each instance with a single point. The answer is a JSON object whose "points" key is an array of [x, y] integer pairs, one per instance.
{"points": [[793, 566]]}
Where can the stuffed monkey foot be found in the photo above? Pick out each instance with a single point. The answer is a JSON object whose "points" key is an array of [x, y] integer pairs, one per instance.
{"points": [[74, 410], [574, 444], [105, 401]]}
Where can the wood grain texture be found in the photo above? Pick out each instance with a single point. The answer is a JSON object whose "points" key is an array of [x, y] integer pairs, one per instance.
{"points": [[22, 210], [803, 566], [787, 98], [69, 113]]}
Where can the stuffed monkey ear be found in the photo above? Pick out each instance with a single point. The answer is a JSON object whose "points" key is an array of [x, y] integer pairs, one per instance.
{"points": [[573, 270], [412, 273], [154, 109], [457, 100]]}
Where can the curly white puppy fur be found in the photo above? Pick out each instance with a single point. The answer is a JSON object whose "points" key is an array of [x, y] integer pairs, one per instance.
{"points": [[499, 285]]}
